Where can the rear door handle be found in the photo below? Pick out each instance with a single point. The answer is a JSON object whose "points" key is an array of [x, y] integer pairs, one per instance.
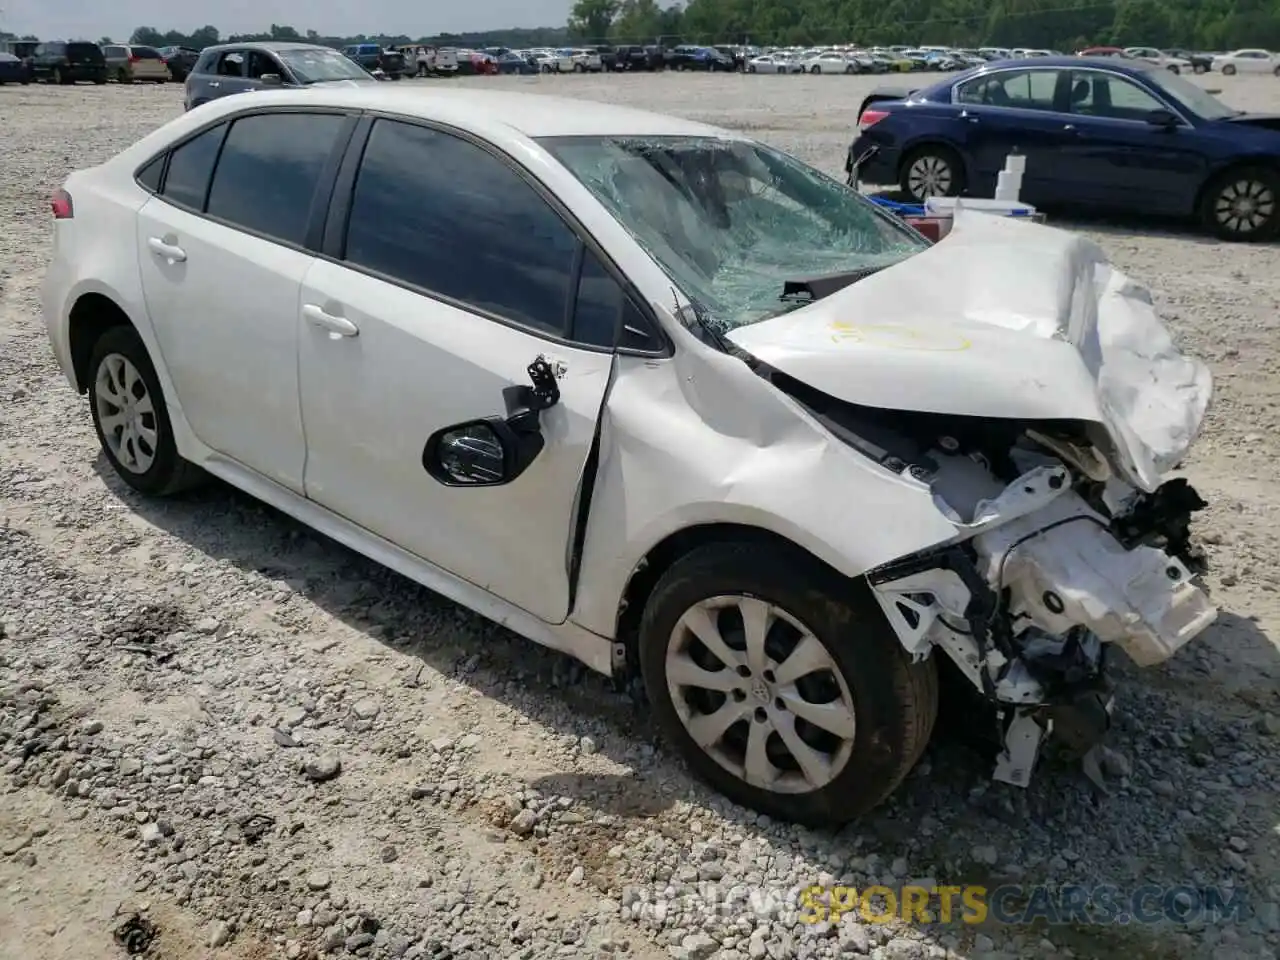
{"points": [[169, 251], [214, 83], [338, 326], [1070, 128]]}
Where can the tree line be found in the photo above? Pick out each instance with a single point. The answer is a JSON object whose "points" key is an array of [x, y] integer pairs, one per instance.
{"points": [[1054, 24]]}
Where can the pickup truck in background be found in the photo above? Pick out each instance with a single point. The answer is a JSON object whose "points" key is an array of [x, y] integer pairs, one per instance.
{"points": [[372, 57]]}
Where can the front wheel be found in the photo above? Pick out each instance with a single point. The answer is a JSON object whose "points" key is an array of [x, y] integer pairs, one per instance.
{"points": [[1229, 70], [932, 171], [1200, 68], [1243, 205], [781, 686], [131, 418], [815, 69], [58, 77]]}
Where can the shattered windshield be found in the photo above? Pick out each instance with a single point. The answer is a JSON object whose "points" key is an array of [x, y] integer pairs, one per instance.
{"points": [[731, 221], [319, 66]]}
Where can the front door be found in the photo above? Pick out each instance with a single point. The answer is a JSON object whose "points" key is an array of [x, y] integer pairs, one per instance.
{"points": [[455, 276], [1122, 160], [222, 265]]}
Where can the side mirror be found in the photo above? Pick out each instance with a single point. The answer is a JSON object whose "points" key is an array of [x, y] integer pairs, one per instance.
{"points": [[494, 450], [271, 80], [480, 453], [1163, 118]]}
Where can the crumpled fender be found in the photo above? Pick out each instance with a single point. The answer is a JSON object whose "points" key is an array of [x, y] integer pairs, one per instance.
{"points": [[700, 439]]}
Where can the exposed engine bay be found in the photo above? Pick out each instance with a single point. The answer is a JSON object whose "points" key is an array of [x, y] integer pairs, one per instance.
{"points": [[1057, 559]]}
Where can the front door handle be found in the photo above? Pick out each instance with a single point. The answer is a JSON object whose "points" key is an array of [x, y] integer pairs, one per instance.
{"points": [[169, 251], [214, 83], [338, 326], [971, 117]]}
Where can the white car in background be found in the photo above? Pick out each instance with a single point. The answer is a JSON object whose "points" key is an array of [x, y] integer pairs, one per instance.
{"points": [[774, 63], [780, 482], [1252, 60], [829, 61], [1159, 58], [554, 61], [585, 61]]}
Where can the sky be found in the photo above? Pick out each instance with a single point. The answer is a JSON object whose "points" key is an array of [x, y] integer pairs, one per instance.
{"points": [[91, 19]]}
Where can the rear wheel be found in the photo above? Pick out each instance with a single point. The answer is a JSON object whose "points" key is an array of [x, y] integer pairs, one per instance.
{"points": [[122, 76], [1200, 68], [932, 171], [783, 687], [131, 418], [1243, 205]]}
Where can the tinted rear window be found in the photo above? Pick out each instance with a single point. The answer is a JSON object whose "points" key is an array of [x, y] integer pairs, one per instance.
{"points": [[146, 53], [84, 51], [114, 51]]}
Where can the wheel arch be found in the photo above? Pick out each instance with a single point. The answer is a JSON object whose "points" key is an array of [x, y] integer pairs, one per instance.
{"points": [[912, 147], [92, 313], [1269, 161], [666, 552]]}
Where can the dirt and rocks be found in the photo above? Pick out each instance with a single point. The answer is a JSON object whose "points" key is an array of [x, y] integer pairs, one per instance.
{"points": [[222, 736]]}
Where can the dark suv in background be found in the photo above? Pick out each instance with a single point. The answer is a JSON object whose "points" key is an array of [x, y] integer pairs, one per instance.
{"points": [[58, 61]]}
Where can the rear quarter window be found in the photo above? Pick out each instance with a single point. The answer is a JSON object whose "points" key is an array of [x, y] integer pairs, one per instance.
{"points": [[86, 51]]}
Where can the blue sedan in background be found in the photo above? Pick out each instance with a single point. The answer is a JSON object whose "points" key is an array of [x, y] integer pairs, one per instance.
{"points": [[1097, 133]]}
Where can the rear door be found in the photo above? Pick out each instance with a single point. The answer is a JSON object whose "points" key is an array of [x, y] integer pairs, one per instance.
{"points": [[1018, 108], [454, 275], [223, 250]]}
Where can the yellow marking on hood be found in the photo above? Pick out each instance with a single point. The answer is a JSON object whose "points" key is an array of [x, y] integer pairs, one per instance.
{"points": [[900, 337]]}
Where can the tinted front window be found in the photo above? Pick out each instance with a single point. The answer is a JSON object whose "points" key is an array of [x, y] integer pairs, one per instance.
{"points": [[599, 306], [190, 165], [269, 169], [1100, 95], [440, 213]]}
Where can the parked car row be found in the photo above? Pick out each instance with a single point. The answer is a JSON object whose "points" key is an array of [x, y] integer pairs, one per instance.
{"points": [[1095, 133], [76, 61], [1249, 60]]}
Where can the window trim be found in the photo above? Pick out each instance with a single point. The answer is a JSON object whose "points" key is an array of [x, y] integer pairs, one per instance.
{"points": [[324, 188], [1152, 91], [333, 247], [1114, 74], [1021, 68]]}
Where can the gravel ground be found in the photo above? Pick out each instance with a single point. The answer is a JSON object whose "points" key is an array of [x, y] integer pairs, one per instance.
{"points": [[270, 747]]}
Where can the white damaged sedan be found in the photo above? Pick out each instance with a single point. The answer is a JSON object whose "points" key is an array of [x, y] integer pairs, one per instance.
{"points": [[661, 397]]}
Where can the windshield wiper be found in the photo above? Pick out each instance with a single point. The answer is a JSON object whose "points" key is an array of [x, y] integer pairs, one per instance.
{"points": [[816, 288]]}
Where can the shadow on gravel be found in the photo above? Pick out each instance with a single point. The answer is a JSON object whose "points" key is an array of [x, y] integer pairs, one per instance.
{"points": [[947, 814]]}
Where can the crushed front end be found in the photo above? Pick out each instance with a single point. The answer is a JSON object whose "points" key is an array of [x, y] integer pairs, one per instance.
{"points": [[1059, 560]]}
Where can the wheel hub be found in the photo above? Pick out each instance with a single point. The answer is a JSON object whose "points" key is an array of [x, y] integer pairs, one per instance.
{"points": [[759, 693]]}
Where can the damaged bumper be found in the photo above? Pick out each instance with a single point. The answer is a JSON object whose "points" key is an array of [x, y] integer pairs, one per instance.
{"points": [[1037, 588]]}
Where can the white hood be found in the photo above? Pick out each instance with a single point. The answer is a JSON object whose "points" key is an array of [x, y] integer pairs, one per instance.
{"points": [[1002, 319]]}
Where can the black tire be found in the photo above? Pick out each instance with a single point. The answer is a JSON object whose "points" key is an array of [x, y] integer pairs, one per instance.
{"points": [[751, 68], [1174, 69], [1260, 185], [122, 76], [895, 701], [1229, 70], [59, 77], [1200, 68], [815, 69], [168, 472], [1276, 71], [932, 154]]}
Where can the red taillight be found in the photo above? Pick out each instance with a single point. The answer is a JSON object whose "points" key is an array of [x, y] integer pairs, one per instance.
{"points": [[870, 117], [60, 203], [134, 58]]}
